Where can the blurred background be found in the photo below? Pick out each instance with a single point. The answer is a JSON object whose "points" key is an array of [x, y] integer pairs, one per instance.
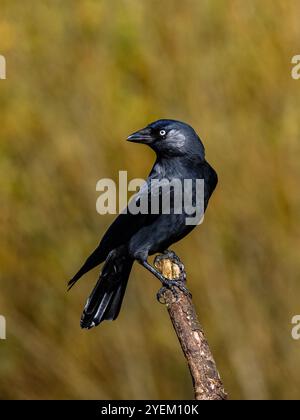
{"points": [[83, 75]]}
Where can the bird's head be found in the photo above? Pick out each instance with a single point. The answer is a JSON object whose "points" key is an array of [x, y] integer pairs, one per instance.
{"points": [[170, 138]]}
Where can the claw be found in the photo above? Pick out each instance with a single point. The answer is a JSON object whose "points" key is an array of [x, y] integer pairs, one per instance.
{"points": [[168, 253], [160, 295], [181, 287], [172, 285]]}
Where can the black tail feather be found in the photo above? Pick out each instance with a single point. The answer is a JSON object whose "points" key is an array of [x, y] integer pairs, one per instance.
{"points": [[106, 299], [92, 261]]}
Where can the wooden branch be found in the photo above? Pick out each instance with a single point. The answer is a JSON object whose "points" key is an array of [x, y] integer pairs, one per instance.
{"points": [[206, 379]]}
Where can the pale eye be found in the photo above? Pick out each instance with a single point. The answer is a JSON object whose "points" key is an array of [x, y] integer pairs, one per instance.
{"points": [[162, 133]]}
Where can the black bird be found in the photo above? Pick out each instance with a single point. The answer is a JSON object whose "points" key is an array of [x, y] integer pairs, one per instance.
{"points": [[180, 154]]}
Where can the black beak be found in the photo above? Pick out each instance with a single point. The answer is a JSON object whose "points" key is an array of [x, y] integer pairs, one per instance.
{"points": [[141, 136]]}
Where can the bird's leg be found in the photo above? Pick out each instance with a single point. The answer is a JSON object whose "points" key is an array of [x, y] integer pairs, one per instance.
{"points": [[154, 271], [167, 283]]}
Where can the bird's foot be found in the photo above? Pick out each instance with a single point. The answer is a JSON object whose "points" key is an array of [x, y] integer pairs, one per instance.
{"points": [[178, 284], [173, 286], [170, 255]]}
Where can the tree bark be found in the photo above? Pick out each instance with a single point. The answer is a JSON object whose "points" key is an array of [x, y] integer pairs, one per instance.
{"points": [[205, 376]]}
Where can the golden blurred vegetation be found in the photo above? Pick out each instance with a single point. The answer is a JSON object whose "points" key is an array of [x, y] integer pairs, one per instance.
{"points": [[83, 75]]}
